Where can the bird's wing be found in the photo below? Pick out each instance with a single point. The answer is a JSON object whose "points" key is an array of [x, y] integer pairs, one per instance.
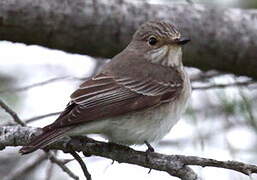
{"points": [[108, 96]]}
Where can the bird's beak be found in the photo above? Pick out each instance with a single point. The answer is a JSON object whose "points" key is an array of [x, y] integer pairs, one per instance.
{"points": [[182, 41]]}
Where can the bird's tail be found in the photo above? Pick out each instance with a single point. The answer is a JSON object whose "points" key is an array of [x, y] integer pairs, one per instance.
{"points": [[47, 137]]}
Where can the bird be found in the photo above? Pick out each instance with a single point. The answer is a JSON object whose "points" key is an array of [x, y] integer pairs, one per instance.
{"points": [[136, 98]]}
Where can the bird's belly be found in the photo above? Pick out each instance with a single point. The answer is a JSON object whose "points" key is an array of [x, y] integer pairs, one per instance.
{"points": [[148, 125], [134, 128]]}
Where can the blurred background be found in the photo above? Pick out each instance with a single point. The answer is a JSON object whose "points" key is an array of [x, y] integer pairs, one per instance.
{"points": [[247, 4], [220, 121]]}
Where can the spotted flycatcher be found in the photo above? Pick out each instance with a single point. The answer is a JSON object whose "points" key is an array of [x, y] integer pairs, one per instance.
{"points": [[137, 97]]}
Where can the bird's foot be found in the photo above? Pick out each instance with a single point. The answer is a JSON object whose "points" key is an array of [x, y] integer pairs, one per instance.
{"points": [[78, 141], [149, 150]]}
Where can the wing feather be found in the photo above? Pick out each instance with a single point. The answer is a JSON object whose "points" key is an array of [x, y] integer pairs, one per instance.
{"points": [[106, 95]]}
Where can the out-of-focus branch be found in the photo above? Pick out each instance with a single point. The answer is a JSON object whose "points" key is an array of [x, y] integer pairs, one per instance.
{"points": [[18, 89], [222, 39], [176, 165], [18, 121], [12, 113], [82, 164], [62, 166], [248, 108], [35, 118], [49, 171], [42, 116], [27, 166], [216, 86], [203, 76]]}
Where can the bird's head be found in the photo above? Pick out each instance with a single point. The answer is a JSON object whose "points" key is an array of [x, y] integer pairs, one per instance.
{"points": [[160, 41]]}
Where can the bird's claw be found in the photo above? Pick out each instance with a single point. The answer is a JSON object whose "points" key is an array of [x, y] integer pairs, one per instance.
{"points": [[149, 150]]}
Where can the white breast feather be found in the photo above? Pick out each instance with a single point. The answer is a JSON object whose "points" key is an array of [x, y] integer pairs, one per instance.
{"points": [[166, 55]]}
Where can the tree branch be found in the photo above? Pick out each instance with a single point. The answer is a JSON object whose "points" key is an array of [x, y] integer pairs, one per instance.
{"points": [[51, 80], [175, 165], [234, 84], [42, 116], [112, 151], [12, 113], [16, 118], [49, 170], [29, 165], [204, 76], [222, 39], [53, 159], [18, 89], [82, 164]]}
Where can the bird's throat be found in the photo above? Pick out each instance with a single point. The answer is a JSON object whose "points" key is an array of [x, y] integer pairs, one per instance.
{"points": [[170, 56]]}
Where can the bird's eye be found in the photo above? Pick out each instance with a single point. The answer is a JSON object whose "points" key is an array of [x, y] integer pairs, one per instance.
{"points": [[152, 41]]}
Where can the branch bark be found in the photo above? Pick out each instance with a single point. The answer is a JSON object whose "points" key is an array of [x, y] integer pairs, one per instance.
{"points": [[175, 165], [222, 39]]}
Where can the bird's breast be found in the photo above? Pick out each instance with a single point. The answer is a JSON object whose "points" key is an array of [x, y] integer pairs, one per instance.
{"points": [[148, 125]]}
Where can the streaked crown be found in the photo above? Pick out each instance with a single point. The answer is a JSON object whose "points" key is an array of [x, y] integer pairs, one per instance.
{"points": [[159, 29]]}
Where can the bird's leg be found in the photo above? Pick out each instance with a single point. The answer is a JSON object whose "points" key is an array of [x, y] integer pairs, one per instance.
{"points": [[149, 150]]}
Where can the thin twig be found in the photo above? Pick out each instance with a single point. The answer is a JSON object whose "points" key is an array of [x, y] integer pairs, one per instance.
{"points": [[82, 164], [11, 90], [30, 120], [246, 169], [248, 107], [50, 156], [244, 83], [62, 166], [27, 166], [65, 161], [12, 113], [19, 89], [190, 1], [203, 76], [42, 116], [50, 169]]}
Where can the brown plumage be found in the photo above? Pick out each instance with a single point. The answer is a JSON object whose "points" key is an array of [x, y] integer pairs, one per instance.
{"points": [[130, 83]]}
